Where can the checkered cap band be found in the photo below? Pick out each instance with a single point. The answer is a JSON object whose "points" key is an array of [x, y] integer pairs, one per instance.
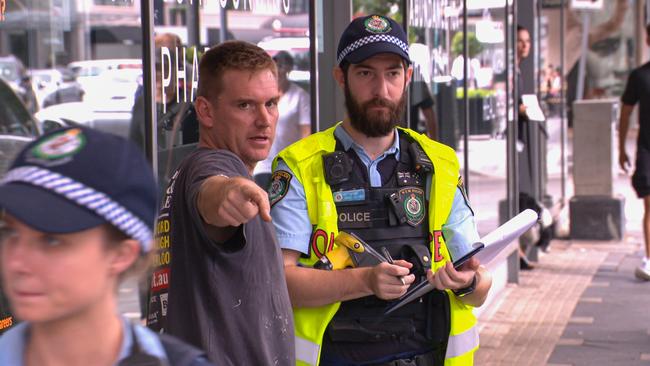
{"points": [[87, 197], [371, 39]]}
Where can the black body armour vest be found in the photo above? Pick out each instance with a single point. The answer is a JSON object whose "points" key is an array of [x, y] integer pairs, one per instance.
{"points": [[394, 216]]}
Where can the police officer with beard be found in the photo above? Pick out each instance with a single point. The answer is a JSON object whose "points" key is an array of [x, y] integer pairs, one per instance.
{"points": [[394, 188]]}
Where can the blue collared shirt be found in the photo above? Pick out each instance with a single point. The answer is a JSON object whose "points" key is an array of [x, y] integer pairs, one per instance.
{"points": [[291, 218], [14, 341]]}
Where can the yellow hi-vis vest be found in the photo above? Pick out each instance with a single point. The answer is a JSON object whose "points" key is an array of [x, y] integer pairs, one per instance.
{"points": [[304, 158]]}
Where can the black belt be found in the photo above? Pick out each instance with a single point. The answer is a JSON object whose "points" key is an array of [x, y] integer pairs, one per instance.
{"points": [[427, 359]]}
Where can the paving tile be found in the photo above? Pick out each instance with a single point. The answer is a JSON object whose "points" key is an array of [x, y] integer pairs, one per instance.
{"points": [[570, 342], [599, 284], [609, 267], [581, 320], [591, 300]]}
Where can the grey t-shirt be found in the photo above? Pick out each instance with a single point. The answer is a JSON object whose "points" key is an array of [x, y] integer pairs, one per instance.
{"points": [[229, 299]]}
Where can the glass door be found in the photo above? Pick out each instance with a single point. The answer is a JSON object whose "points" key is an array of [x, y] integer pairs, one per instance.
{"points": [[474, 125]]}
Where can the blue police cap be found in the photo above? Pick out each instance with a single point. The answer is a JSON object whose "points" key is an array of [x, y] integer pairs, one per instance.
{"points": [[78, 178], [367, 36]]}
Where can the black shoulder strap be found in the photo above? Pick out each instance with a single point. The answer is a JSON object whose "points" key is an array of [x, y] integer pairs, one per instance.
{"points": [[178, 352], [137, 357], [405, 142]]}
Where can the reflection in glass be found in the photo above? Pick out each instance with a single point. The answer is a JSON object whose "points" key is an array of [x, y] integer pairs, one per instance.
{"points": [[279, 27], [435, 31]]}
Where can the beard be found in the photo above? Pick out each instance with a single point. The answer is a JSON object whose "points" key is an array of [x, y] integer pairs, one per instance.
{"points": [[373, 123]]}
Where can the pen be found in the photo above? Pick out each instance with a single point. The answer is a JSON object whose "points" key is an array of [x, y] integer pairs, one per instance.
{"points": [[390, 260], [368, 249]]}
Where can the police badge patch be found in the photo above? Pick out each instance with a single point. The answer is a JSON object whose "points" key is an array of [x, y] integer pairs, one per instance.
{"points": [[58, 148], [279, 186], [414, 205], [377, 24]]}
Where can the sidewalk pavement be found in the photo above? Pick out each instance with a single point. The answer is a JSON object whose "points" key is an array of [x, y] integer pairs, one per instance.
{"points": [[581, 305]]}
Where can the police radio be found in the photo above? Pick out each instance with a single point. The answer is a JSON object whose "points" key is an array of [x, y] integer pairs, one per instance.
{"points": [[337, 167], [421, 161]]}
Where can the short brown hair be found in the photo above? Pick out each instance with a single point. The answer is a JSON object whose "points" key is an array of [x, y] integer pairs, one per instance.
{"points": [[230, 55], [169, 40]]}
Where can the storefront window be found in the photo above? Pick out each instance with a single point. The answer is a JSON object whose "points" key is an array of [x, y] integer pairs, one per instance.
{"points": [[611, 56], [436, 35], [488, 117], [185, 30], [73, 61], [550, 87]]}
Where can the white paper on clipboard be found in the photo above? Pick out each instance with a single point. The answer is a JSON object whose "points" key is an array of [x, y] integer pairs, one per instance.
{"points": [[533, 110], [498, 240]]}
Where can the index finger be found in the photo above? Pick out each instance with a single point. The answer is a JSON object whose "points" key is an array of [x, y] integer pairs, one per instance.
{"points": [[260, 198], [403, 263], [456, 275], [394, 269], [472, 264]]}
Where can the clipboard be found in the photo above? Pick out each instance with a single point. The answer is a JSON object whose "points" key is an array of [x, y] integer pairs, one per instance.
{"points": [[477, 247], [490, 247]]}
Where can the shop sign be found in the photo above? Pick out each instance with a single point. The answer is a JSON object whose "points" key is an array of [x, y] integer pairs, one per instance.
{"points": [[587, 4], [174, 63], [434, 14], [267, 7], [549, 4]]}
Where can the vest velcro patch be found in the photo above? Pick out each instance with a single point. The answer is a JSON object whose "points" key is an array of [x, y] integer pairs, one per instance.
{"points": [[461, 186], [413, 200], [279, 186], [349, 196]]}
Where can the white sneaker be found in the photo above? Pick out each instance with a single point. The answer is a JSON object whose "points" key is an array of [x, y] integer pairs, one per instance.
{"points": [[642, 272]]}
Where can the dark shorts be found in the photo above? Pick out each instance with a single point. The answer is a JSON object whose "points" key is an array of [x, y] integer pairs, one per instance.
{"points": [[641, 176]]}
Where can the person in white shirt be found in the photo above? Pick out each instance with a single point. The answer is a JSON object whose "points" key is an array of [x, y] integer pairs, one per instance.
{"points": [[295, 116]]}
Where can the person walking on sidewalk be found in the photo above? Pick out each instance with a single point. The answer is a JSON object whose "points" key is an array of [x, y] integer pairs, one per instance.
{"points": [[368, 176], [637, 91], [78, 213]]}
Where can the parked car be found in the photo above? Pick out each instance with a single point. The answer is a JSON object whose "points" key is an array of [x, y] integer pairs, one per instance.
{"points": [[13, 72], [54, 86], [96, 67], [89, 73], [17, 126], [112, 116], [109, 94], [116, 86]]}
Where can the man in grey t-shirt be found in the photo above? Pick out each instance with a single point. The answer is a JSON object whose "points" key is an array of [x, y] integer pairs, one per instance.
{"points": [[220, 281]]}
